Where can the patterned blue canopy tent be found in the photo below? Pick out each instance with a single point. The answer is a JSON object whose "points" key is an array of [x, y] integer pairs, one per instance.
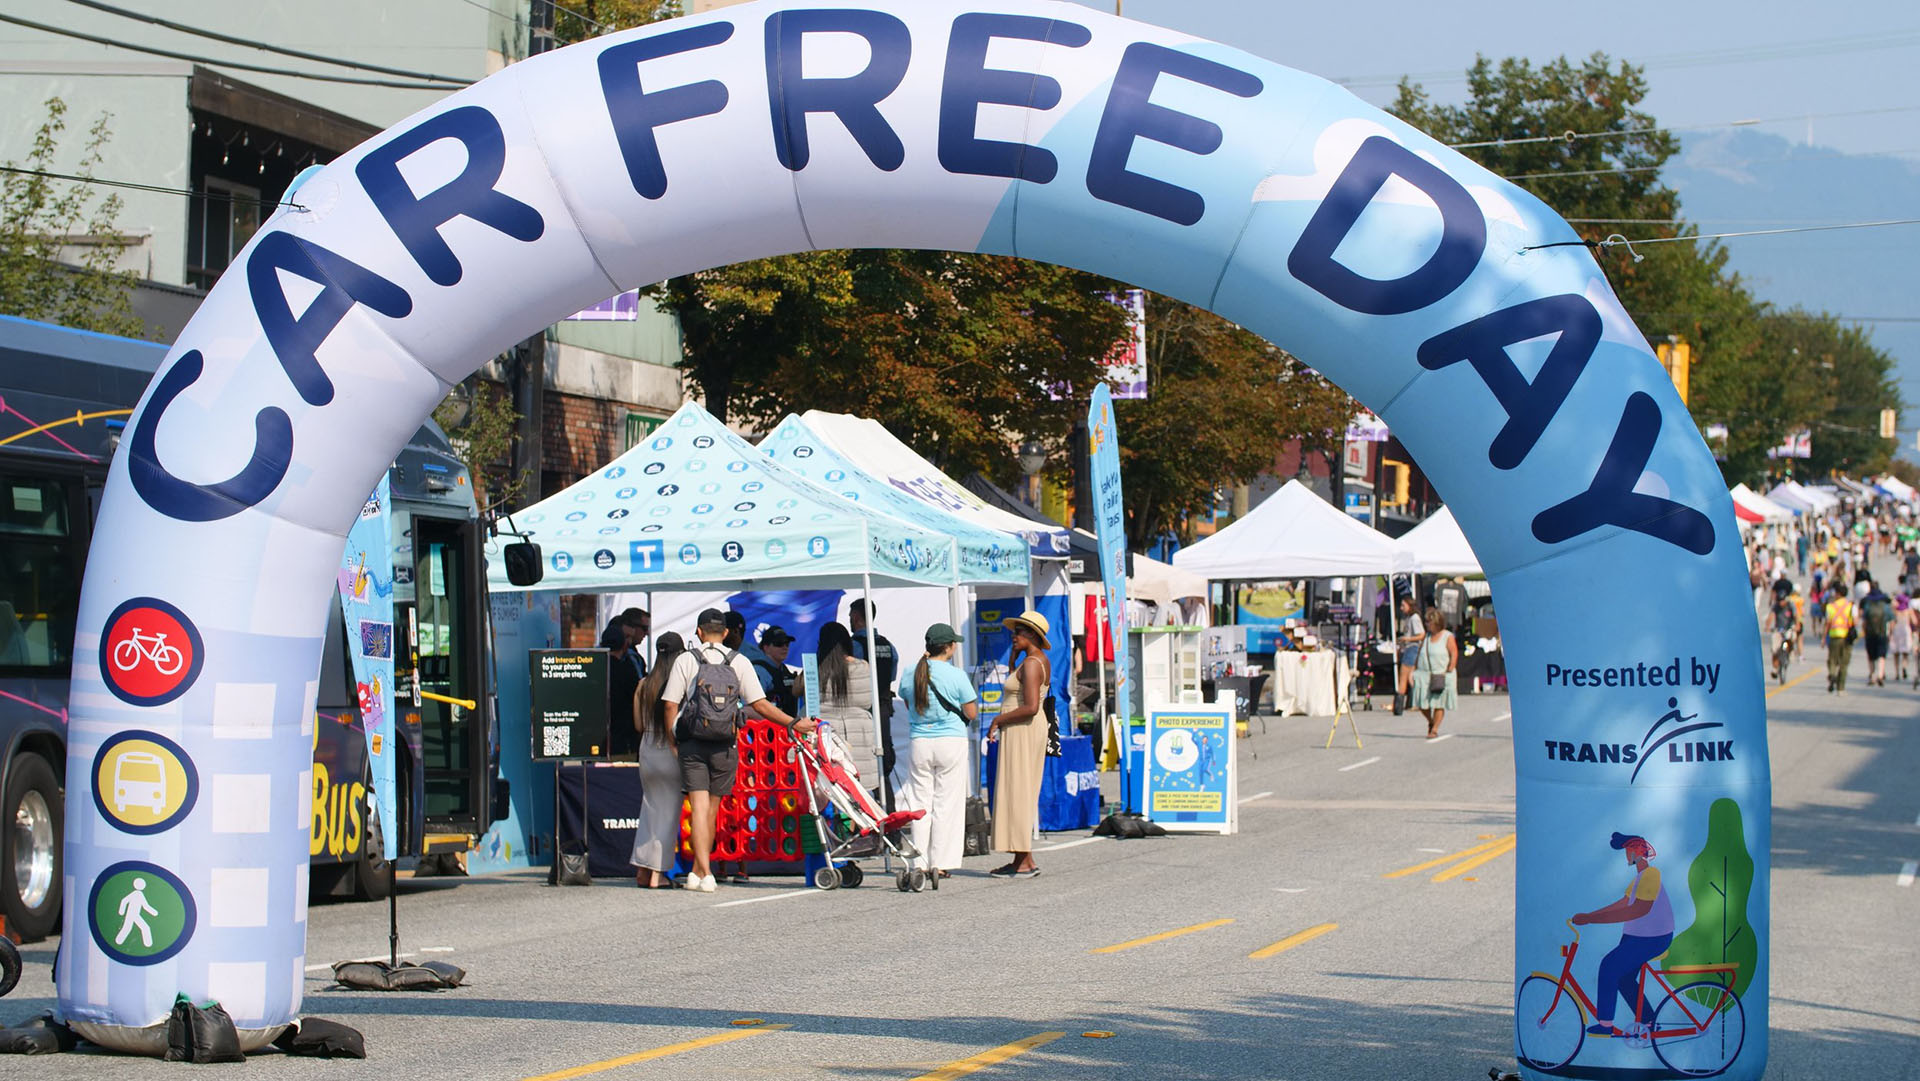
{"points": [[695, 505]]}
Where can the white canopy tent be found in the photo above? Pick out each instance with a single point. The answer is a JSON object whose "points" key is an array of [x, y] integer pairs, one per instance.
{"points": [[1795, 495], [1294, 534], [1898, 488], [1439, 547], [1163, 583]]}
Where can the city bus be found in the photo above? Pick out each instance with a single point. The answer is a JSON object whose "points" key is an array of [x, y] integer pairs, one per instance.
{"points": [[65, 396]]}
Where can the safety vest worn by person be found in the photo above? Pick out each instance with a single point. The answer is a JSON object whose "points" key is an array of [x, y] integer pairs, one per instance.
{"points": [[1839, 617]]}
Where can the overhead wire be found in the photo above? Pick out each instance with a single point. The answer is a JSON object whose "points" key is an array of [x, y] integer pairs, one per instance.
{"points": [[215, 61], [1573, 136], [141, 16], [190, 193], [1620, 241]]}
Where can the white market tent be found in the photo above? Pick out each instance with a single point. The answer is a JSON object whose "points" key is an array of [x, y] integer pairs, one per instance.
{"points": [[1792, 494], [1439, 547], [1767, 509], [1294, 534], [868, 444], [1898, 488], [1163, 583]]}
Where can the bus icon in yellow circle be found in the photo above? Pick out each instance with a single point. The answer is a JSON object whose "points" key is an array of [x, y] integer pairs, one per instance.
{"points": [[143, 782]]}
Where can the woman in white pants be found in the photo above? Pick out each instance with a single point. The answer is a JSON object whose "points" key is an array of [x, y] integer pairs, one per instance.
{"points": [[941, 703]]}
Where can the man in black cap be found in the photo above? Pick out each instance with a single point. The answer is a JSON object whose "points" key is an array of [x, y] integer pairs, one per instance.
{"points": [[707, 765], [770, 662], [639, 624]]}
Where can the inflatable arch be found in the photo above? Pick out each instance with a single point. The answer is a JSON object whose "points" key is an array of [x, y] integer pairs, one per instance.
{"points": [[1457, 306]]}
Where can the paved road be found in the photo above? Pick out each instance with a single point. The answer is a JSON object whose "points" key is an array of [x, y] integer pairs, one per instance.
{"points": [[1369, 976]]}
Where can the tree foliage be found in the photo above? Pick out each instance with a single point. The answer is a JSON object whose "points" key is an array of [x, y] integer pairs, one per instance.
{"points": [[1222, 401], [40, 216], [480, 421], [1754, 367]]}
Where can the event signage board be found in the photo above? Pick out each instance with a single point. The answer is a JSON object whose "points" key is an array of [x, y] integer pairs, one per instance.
{"points": [[568, 692], [1192, 778], [810, 679]]}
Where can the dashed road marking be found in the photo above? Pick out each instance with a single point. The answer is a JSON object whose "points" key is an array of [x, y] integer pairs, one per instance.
{"points": [[1163, 936], [1440, 737], [783, 895], [984, 1059], [1449, 858], [1502, 717], [1907, 871], [1291, 941], [657, 1052], [1499, 849], [1255, 796], [1362, 762], [1070, 844]]}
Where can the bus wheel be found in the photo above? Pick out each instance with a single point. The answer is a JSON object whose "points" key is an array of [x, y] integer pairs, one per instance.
{"points": [[30, 822]]}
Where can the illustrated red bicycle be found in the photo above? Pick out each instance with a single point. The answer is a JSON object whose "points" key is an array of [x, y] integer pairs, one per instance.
{"points": [[1696, 1030]]}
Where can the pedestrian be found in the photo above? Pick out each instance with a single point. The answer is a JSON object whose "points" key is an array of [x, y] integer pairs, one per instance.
{"points": [[1412, 632], [940, 703], [1840, 637], [770, 662], [1434, 687], [656, 840], [1900, 635], [886, 661], [639, 624], [622, 680], [702, 700], [846, 693], [1021, 731], [1876, 626]]}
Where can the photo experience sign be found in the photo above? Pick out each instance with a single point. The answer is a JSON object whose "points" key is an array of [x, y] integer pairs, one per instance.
{"points": [[1193, 783], [1457, 306], [569, 702]]}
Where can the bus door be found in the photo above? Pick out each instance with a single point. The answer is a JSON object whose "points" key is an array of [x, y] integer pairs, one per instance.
{"points": [[445, 621]]}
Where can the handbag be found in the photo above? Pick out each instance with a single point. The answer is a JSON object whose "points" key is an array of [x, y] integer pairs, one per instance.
{"points": [[1436, 684]]}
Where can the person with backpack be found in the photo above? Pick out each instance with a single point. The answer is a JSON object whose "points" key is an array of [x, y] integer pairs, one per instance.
{"points": [[1876, 624], [941, 705], [709, 689]]}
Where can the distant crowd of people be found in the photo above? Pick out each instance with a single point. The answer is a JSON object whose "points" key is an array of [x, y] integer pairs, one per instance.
{"points": [[658, 717], [1844, 603]]}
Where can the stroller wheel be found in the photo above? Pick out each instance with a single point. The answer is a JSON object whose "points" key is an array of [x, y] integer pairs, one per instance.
{"points": [[851, 875], [827, 878], [903, 881], [913, 881]]}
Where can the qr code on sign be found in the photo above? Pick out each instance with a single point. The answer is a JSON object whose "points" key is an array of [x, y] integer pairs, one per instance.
{"points": [[554, 738]]}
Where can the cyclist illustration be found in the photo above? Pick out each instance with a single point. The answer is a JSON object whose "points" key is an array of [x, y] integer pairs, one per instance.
{"points": [[1646, 918]]}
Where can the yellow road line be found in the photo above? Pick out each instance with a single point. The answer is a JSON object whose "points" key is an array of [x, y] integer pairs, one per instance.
{"points": [[1437, 861], [658, 1052], [1291, 941], [985, 1059], [1163, 936], [1795, 681], [1499, 850]]}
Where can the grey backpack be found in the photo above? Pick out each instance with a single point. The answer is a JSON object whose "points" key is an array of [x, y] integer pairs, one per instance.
{"points": [[711, 710]]}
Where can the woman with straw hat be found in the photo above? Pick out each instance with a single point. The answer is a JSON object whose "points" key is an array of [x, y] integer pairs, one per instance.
{"points": [[1021, 732]]}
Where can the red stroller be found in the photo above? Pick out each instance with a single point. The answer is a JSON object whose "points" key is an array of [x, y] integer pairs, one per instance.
{"points": [[832, 779]]}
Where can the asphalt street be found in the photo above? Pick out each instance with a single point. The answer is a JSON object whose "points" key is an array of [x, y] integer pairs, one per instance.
{"points": [[1292, 950]]}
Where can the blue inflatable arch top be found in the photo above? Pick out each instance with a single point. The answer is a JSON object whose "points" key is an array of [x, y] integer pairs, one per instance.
{"points": [[1423, 284]]}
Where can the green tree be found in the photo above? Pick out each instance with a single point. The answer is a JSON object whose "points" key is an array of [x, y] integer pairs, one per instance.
{"points": [[480, 421], [1223, 400], [1720, 880], [40, 216]]}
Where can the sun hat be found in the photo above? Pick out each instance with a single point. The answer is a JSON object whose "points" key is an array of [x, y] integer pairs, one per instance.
{"points": [[941, 634], [1035, 623]]}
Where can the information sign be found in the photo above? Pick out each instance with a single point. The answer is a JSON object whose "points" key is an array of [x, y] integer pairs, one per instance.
{"points": [[569, 702], [1192, 779], [810, 680]]}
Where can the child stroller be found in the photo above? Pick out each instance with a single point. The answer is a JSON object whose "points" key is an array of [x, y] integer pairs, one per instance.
{"points": [[826, 763]]}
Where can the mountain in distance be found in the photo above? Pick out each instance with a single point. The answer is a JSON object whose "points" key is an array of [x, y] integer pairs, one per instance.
{"points": [[1740, 180]]}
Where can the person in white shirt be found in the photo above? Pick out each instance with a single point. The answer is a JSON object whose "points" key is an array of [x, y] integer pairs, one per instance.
{"points": [[707, 765]]}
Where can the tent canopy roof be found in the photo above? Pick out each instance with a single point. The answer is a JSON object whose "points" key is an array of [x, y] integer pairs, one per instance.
{"points": [[1766, 509], [1294, 534], [985, 555], [696, 506], [1439, 547], [870, 446]]}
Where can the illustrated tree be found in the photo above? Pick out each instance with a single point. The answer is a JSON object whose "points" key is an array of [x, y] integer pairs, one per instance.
{"points": [[1720, 881], [41, 217]]}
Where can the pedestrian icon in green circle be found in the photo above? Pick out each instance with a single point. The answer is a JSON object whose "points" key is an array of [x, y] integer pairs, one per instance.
{"points": [[140, 914]]}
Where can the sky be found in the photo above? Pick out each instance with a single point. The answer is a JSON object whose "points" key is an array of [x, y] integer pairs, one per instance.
{"points": [[1832, 85]]}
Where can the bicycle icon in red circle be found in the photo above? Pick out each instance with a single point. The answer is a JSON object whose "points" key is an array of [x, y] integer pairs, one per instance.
{"points": [[150, 652]]}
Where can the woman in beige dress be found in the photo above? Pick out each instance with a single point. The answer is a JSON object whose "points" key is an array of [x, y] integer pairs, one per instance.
{"points": [[1021, 730]]}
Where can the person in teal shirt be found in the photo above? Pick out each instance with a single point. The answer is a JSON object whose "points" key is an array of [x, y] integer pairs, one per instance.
{"points": [[941, 704]]}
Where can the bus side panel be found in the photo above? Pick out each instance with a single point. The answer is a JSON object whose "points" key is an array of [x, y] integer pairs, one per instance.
{"points": [[339, 788]]}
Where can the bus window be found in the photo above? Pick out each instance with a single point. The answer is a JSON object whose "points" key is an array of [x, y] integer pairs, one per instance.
{"points": [[39, 572], [447, 627]]}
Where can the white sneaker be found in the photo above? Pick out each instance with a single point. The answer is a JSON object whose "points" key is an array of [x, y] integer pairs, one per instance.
{"points": [[708, 884]]}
